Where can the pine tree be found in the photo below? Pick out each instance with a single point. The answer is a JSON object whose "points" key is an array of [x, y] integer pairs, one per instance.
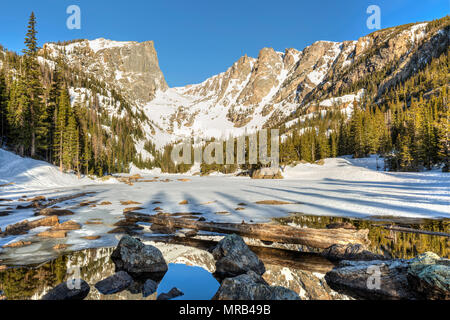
{"points": [[406, 158], [60, 135], [37, 113], [18, 116], [357, 133], [3, 109]]}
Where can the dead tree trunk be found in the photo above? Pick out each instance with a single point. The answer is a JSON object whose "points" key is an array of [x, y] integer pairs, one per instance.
{"points": [[316, 238]]}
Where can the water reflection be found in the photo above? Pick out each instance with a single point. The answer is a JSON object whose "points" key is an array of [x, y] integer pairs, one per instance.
{"points": [[195, 282], [190, 270], [191, 266], [32, 282], [403, 245]]}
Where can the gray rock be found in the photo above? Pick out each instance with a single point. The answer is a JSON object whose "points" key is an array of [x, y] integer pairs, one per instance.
{"points": [[357, 279], [251, 286], [62, 292], [424, 277], [132, 256], [307, 284], [115, 283], [350, 252], [149, 288], [173, 293], [429, 275], [233, 257], [267, 173]]}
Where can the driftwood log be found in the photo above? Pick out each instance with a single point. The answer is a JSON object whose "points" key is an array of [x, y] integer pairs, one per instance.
{"points": [[316, 238]]}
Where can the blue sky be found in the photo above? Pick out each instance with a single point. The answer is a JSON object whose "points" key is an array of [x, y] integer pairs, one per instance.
{"points": [[199, 38]]}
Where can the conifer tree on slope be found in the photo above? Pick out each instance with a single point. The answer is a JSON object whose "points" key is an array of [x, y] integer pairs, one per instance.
{"points": [[3, 109], [37, 112]]}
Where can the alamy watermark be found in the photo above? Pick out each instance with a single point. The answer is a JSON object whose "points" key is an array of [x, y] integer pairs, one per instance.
{"points": [[214, 151], [74, 280], [74, 20], [374, 280], [374, 20]]}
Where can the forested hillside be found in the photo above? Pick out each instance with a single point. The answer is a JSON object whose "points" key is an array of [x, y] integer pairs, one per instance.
{"points": [[408, 124], [41, 119]]}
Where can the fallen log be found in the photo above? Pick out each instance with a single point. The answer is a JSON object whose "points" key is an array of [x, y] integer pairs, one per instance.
{"points": [[316, 238]]}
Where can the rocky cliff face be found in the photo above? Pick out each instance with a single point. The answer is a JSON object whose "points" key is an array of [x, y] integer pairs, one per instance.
{"points": [[130, 67]]}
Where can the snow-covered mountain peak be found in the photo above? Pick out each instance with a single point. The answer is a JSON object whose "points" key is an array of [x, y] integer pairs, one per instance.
{"points": [[129, 67], [101, 43]]}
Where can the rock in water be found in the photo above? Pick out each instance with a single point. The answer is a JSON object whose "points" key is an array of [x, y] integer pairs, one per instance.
{"points": [[251, 286], [62, 292], [429, 275], [350, 252], [115, 283], [173, 293], [233, 257], [425, 277], [54, 212], [149, 288], [360, 279], [132, 256]]}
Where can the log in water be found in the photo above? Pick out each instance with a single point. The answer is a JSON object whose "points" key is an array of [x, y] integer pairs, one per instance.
{"points": [[316, 238]]}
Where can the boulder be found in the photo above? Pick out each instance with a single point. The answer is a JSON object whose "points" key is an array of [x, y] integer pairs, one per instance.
{"points": [[132, 256], [429, 275], [115, 283], [350, 252], [425, 277], [67, 225], [54, 212], [173, 293], [251, 286], [149, 288], [233, 257], [62, 292], [372, 280], [267, 173], [309, 285]]}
